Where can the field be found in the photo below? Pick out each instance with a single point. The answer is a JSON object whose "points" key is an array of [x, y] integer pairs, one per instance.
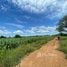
{"points": [[13, 49], [63, 44]]}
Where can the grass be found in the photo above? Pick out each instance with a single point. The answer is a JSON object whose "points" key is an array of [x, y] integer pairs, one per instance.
{"points": [[63, 45], [18, 48]]}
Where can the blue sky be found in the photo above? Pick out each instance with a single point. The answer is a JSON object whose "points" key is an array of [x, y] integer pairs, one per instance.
{"points": [[31, 17]]}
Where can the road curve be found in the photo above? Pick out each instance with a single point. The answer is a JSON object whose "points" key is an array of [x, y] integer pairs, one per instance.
{"points": [[46, 56]]}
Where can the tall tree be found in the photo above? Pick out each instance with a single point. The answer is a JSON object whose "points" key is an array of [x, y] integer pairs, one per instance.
{"points": [[62, 25]]}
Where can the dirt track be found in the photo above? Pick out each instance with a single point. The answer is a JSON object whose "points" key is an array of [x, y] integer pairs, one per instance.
{"points": [[46, 56]]}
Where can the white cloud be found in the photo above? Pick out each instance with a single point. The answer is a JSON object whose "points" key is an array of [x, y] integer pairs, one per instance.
{"points": [[39, 30], [58, 7], [18, 32], [11, 33], [33, 5], [15, 25], [2, 32], [42, 30]]}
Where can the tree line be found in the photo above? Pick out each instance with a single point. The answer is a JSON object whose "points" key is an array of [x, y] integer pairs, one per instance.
{"points": [[16, 36]]}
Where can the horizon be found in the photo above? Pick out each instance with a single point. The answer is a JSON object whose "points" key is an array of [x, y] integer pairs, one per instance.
{"points": [[31, 17]]}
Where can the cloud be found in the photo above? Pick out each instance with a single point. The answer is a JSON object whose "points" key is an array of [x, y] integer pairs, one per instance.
{"points": [[4, 32], [18, 32], [42, 30], [34, 5], [15, 25], [2, 27], [11, 33], [54, 8], [18, 21], [39, 30], [3, 8]]}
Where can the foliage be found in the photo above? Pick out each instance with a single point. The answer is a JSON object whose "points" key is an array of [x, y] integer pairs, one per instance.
{"points": [[2, 37], [62, 25], [17, 36], [18, 48], [63, 44]]}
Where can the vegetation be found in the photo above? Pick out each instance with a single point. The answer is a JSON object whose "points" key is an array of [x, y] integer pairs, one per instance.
{"points": [[63, 44], [13, 49], [62, 29], [62, 26], [17, 36], [2, 37]]}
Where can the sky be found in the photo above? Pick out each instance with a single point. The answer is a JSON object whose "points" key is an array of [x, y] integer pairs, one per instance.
{"points": [[31, 17]]}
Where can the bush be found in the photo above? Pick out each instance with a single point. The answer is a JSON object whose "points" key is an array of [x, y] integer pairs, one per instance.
{"points": [[17, 36]]}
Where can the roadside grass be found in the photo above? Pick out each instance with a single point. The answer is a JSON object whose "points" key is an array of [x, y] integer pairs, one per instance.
{"points": [[63, 44], [11, 57]]}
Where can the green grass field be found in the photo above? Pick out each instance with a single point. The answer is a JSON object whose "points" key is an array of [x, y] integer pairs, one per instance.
{"points": [[12, 50], [63, 44]]}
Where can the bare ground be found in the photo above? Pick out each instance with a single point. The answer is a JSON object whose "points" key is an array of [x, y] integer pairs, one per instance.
{"points": [[46, 56]]}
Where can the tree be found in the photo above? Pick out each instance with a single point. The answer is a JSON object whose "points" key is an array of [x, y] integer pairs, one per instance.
{"points": [[2, 37], [60, 28], [17, 36], [62, 25]]}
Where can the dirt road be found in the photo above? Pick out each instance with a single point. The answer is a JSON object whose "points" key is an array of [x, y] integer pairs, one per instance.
{"points": [[46, 56]]}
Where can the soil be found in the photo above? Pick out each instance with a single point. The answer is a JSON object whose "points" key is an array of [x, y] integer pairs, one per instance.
{"points": [[46, 56]]}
